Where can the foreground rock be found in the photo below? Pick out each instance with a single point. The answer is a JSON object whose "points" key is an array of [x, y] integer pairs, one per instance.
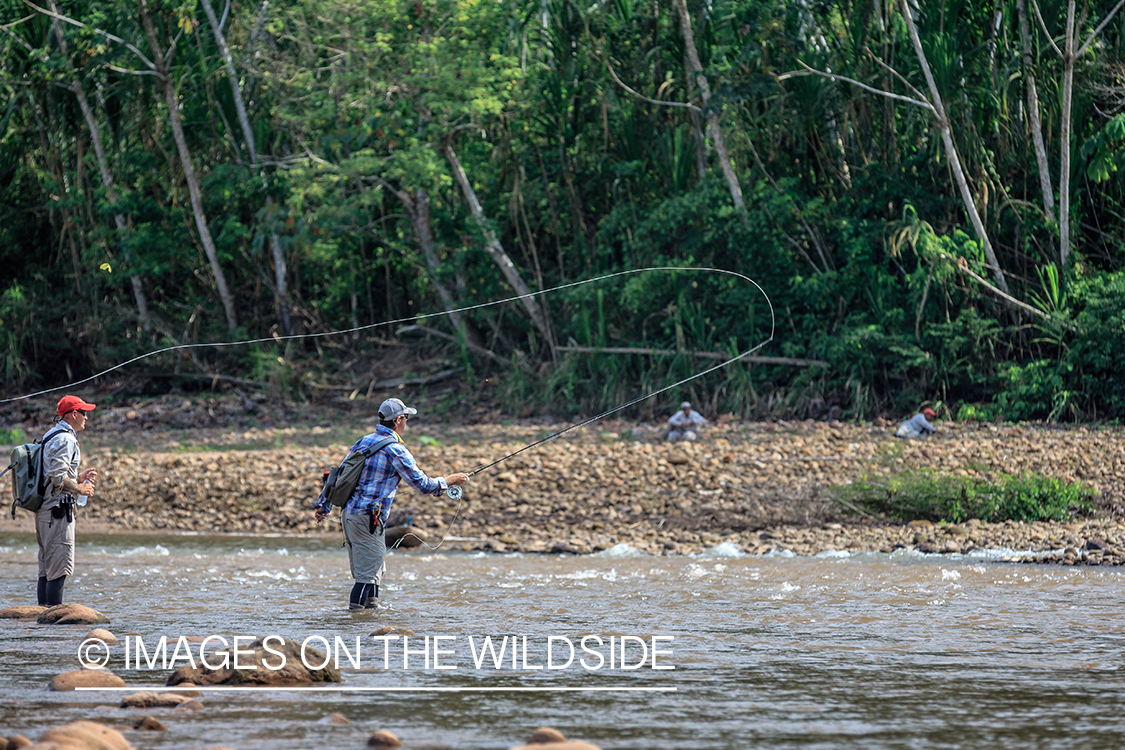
{"points": [[23, 612], [71, 614], [82, 735], [87, 678], [549, 738], [260, 667]]}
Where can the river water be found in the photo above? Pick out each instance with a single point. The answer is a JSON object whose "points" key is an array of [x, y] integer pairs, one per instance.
{"points": [[861, 651]]}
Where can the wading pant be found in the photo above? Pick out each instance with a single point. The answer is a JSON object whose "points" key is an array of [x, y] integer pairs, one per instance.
{"points": [[367, 552], [56, 544]]}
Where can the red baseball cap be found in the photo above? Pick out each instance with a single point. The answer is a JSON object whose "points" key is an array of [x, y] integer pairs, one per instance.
{"points": [[930, 413], [68, 404]]}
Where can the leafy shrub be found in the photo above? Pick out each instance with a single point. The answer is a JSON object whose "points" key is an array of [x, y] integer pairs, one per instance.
{"points": [[929, 495], [12, 436]]}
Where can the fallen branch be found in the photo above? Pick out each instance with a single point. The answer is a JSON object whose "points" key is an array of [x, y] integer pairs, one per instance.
{"points": [[702, 355], [437, 377], [447, 337]]}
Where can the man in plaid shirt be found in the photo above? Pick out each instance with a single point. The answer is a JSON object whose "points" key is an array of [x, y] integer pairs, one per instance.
{"points": [[365, 515]]}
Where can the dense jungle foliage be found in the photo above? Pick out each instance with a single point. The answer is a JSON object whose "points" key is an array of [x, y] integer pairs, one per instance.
{"points": [[931, 194]]}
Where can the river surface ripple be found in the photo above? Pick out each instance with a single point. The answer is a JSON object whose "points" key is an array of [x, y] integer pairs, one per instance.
{"points": [[866, 651]]}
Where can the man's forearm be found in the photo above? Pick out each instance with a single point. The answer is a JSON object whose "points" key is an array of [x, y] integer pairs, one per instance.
{"points": [[68, 485]]}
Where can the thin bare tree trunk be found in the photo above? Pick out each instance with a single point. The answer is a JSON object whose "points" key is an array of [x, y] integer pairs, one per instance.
{"points": [[281, 286], [696, 70], [189, 171], [496, 250], [951, 150], [1033, 115], [418, 209], [1064, 138], [103, 167]]}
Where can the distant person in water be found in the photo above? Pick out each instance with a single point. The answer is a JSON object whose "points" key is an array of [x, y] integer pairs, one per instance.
{"points": [[66, 490], [685, 424], [365, 515], [917, 426]]}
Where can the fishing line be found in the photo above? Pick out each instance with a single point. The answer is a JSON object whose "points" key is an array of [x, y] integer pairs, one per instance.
{"points": [[455, 492], [418, 319]]}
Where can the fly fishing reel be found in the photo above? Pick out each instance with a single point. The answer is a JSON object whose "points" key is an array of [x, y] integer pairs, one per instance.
{"points": [[454, 492]]}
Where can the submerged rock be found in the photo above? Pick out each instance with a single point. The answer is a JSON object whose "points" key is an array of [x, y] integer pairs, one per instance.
{"points": [[85, 678], [282, 664], [150, 724], [71, 614], [334, 720]]}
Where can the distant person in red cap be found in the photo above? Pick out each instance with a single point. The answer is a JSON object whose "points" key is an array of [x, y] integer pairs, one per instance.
{"points": [[918, 426], [66, 489]]}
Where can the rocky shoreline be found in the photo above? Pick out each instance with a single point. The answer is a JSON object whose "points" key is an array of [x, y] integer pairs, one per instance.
{"points": [[759, 487]]}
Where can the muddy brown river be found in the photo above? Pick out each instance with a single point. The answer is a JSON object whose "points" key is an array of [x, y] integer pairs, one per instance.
{"points": [[868, 651]]}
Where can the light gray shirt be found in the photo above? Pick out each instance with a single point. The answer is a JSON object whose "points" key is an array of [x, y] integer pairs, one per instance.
{"points": [[691, 421], [60, 462]]}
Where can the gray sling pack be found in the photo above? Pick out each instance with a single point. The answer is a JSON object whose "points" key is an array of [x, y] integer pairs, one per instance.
{"points": [[340, 484]]}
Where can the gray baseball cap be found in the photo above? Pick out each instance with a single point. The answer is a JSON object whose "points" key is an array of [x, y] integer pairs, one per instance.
{"points": [[685, 405], [393, 408]]}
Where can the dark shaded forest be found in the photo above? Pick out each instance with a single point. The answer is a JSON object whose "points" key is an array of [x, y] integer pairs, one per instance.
{"points": [[931, 194]]}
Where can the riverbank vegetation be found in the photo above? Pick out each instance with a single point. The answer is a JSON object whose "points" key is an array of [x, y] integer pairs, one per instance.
{"points": [[925, 494], [931, 196]]}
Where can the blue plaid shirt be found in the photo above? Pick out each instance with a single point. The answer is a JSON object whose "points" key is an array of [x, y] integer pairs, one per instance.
{"points": [[379, 480]]}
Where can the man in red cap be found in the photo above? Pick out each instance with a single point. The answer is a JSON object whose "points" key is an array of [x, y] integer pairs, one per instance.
{"points": [[54, 522], [918, 425]]}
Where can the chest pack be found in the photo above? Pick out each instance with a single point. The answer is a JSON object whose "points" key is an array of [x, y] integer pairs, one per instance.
{"points": [[29, 482], [340, 483]]}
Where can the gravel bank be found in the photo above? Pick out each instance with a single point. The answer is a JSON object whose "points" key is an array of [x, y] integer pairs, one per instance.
{"points": [[758, 486]]}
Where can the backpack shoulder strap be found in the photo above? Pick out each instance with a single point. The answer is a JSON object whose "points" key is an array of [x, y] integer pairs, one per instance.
{"points": [[374, 448]]}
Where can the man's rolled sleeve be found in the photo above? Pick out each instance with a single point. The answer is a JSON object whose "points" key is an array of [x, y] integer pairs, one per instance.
{"points": [[415, 477]]}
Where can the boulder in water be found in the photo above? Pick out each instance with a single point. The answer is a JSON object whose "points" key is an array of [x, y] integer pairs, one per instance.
{"points": [[154, 700], [102, 635], [404, 536], [23, 612], [281, 664], [82, 735], [85, 678], [71, 614], [150, 724], [384, 740], [549, 738]]}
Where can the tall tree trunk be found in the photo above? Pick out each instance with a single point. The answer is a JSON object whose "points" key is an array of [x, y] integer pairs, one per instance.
{"points": [[1033, 114], [1064, 137], [951, 150], [696, 70], [189, 171], [280, 286], [103, 167], [493, 247], [418, 209]]}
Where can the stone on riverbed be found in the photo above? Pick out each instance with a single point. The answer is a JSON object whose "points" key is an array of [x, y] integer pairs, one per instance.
{"points": [[23, 612], [384, 739], [549, 738], [82, 735], [85, 678], [153, 700], [292, 672], [71, 614]]}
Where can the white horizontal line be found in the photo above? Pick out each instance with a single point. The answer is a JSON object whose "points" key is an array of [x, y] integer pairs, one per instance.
{"points": [[342, 689]]}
